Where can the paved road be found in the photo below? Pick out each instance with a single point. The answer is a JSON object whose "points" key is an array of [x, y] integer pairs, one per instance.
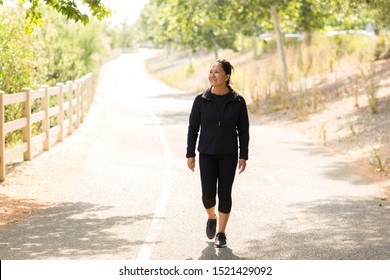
{"points": [[119, 188]]}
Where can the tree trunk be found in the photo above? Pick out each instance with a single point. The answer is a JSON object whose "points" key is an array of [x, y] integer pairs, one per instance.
{"points": [[280, 45], [308, 37], [216, 52], [242, 43], [215, 49]]}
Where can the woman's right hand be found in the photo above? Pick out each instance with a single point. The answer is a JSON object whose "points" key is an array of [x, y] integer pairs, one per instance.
{"points": [[191, 163]]}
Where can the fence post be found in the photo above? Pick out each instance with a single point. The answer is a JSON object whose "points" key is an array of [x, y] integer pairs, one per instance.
{"points": [[46, 120], [92, 88], [26, 131], [82, 99], [69, 98], [2, 136], [60, 117], [77, 93], [89, 91]]}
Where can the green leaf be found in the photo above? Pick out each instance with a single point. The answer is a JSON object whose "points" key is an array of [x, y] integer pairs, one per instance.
{"points": [[84, 19]]}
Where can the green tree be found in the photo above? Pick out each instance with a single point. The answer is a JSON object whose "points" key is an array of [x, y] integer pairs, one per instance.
{"points": [[268, 11], [72, 50], [58, 51], [253, 19], [126, 35], [152, 24], [22, 63], [20, 56], [192, 24], [380, 8], [307, 16], [68, 8]]}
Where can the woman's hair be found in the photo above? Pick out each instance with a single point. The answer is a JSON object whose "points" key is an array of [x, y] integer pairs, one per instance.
{"points": [[227, 67]]}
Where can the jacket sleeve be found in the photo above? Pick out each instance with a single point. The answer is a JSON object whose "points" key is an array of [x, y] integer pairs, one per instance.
{"points": [[243, 130], [193, 128]]}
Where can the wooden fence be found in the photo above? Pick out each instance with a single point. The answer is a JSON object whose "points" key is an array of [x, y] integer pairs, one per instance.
{"points": [[72, 102]]}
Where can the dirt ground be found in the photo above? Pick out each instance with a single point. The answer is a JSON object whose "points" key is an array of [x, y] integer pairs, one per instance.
{"points": [[15, 210], [344, 123]]}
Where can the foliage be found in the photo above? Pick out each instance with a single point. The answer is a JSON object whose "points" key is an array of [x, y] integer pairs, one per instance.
{"points": [[380, 8], [216, 24], [52, 53], [192, 24], [21, 57], [151, 24], [68, 8], [58, 51], [86, 51], [20, 62], [122, 35]]}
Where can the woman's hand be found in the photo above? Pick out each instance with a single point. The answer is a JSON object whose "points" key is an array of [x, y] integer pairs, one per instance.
{"points": [[191, 163], [241, 165]]}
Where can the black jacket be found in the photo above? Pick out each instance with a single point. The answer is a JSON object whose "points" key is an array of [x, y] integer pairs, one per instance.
{"points": [[219, 133]]}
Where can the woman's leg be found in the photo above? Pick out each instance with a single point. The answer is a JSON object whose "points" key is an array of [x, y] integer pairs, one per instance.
{"points": [[223, 219], [208, 174], [211, 212], [226, 170]]}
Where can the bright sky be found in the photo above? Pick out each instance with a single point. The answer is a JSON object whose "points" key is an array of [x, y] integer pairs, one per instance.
{"points": [[125, 9]]}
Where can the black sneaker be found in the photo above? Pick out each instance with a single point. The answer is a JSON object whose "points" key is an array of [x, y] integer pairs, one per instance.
{"points": [[220, 240], [211, 228]]}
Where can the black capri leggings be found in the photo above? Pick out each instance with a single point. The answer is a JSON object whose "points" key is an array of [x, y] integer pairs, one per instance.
{"points": [[221, 169]]}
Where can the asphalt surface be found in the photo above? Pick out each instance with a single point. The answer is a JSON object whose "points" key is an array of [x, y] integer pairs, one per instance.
{"points": [[119, 188]]}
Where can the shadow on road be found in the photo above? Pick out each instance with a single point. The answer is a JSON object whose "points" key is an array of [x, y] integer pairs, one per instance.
{"points": [[340, 170], [212, 253], [339, 228], [67, 231]]}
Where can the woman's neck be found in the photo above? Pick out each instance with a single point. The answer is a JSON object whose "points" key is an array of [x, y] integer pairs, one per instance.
{"points": [[221, 90]]}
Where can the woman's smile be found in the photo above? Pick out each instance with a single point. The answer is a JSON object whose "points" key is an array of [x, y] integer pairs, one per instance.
{"points": [[217, 76]]}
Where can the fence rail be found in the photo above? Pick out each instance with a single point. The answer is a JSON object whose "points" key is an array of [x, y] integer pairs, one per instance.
{"points": [[72, 101]]}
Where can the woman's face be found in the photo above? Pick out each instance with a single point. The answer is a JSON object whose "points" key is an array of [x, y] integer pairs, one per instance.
{"points": [[217, 75]]}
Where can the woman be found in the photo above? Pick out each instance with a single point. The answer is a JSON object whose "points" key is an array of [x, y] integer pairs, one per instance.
{"points": [[222, 117]]}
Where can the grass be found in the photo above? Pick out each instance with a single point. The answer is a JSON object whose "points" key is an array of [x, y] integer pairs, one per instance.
{"points": [[379, 162], [371, 88], [322, 133]]}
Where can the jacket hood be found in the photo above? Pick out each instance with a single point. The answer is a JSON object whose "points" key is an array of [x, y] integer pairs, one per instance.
{"points": [[207, 92]]}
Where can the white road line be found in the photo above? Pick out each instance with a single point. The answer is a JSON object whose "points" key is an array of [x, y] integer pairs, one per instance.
{"points": [[147, 248]]}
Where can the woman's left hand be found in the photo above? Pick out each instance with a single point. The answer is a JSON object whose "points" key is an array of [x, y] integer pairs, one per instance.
{"points": [[241, 165], [191, 163]]}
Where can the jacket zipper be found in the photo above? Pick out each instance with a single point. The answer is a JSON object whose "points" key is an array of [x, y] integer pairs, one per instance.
{"points": [[216, 110], [220, 115]]}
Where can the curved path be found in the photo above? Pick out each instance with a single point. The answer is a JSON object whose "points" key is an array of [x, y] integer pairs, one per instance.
{"points": [[119, 188]]}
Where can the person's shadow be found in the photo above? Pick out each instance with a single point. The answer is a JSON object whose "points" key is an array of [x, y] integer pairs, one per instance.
{"points": [[212, 253]]}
